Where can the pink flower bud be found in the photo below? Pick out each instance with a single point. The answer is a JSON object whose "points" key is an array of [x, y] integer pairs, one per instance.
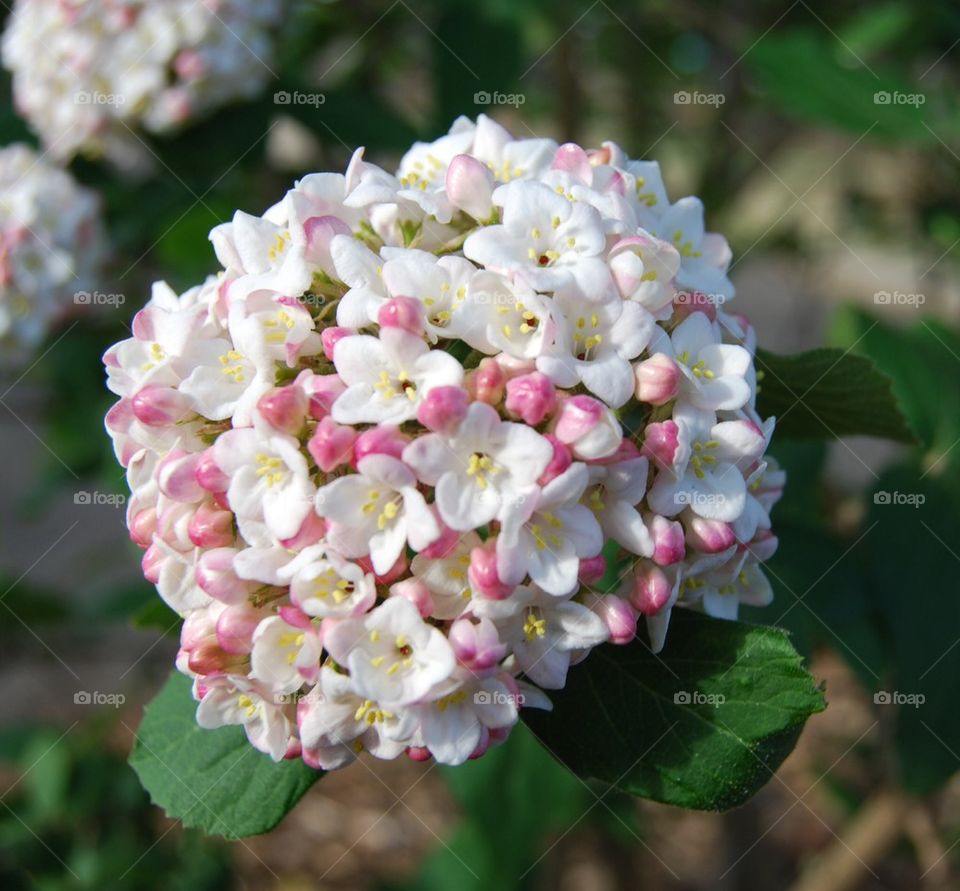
{"points": [[482, 574], [210, 658], [709, 536], [658, 379], [651, 590], [284, 408], [198, 627], [160, 406], [214, 574], [668, 541], [311, 531], [208, 474], [322, 390], [443, 408], [176, 476], [403, 312], [151, 563], [142, 525], [572, 159], [416, 592], [660, 442], [235, 627], [382, 440], [476, 646], [418, 753], [617, 614], [531, 397], [486, 382], [331, 444], [592, 569], [329, 337], [189, 64], [469, 185], [559, 462], [211, 527], [589, 427], [319, 232]]}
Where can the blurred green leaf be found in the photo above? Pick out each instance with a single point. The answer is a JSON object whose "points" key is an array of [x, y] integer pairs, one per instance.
{"points": [[826, 394], [633, 719], [212, 780], [802, 77]]}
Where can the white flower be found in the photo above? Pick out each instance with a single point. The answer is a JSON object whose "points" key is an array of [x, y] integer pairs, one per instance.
{"points": [[446, 577], [714, 373], [269, 479], [615, 491], [323, 584], [453, 726], [50, 249], [394, 657], [377, 511], [231, 699], [704, 257], [284, 656], [548, 539], [483, 471], [594, 345], [387, 377], [504, 315], [543, 631], [706, 476], [543, 234], [336, 723], [86, 74]]}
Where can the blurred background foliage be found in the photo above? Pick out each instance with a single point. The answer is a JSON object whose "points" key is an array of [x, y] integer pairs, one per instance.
{"points": [[831, 195]]}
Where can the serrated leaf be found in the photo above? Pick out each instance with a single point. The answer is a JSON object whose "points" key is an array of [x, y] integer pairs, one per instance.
{"points": [[828, 393], [212, 780], [655, 725]]}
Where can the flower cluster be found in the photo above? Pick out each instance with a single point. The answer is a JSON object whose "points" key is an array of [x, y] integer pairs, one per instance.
{"points": [[50, 247], [88, 73], [380, 461]]}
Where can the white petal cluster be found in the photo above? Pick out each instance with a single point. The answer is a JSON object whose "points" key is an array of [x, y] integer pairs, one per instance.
{"points": [[88, 73], [50, 247], [380, 460]]}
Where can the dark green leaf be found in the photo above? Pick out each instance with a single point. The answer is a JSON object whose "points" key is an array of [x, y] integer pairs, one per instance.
{"points": [[827, 393], [623, 718], [213, 780]]}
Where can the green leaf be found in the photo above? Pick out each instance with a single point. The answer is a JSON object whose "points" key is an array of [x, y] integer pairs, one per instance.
{"points": [[213, 780], [910, 557], [622, 717], [919, 360], [807, 76], [828, 393]]}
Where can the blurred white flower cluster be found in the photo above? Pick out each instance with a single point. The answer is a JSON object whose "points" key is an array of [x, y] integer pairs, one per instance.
{"points": [[88, 73], [51, 244], [379, 462]]}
